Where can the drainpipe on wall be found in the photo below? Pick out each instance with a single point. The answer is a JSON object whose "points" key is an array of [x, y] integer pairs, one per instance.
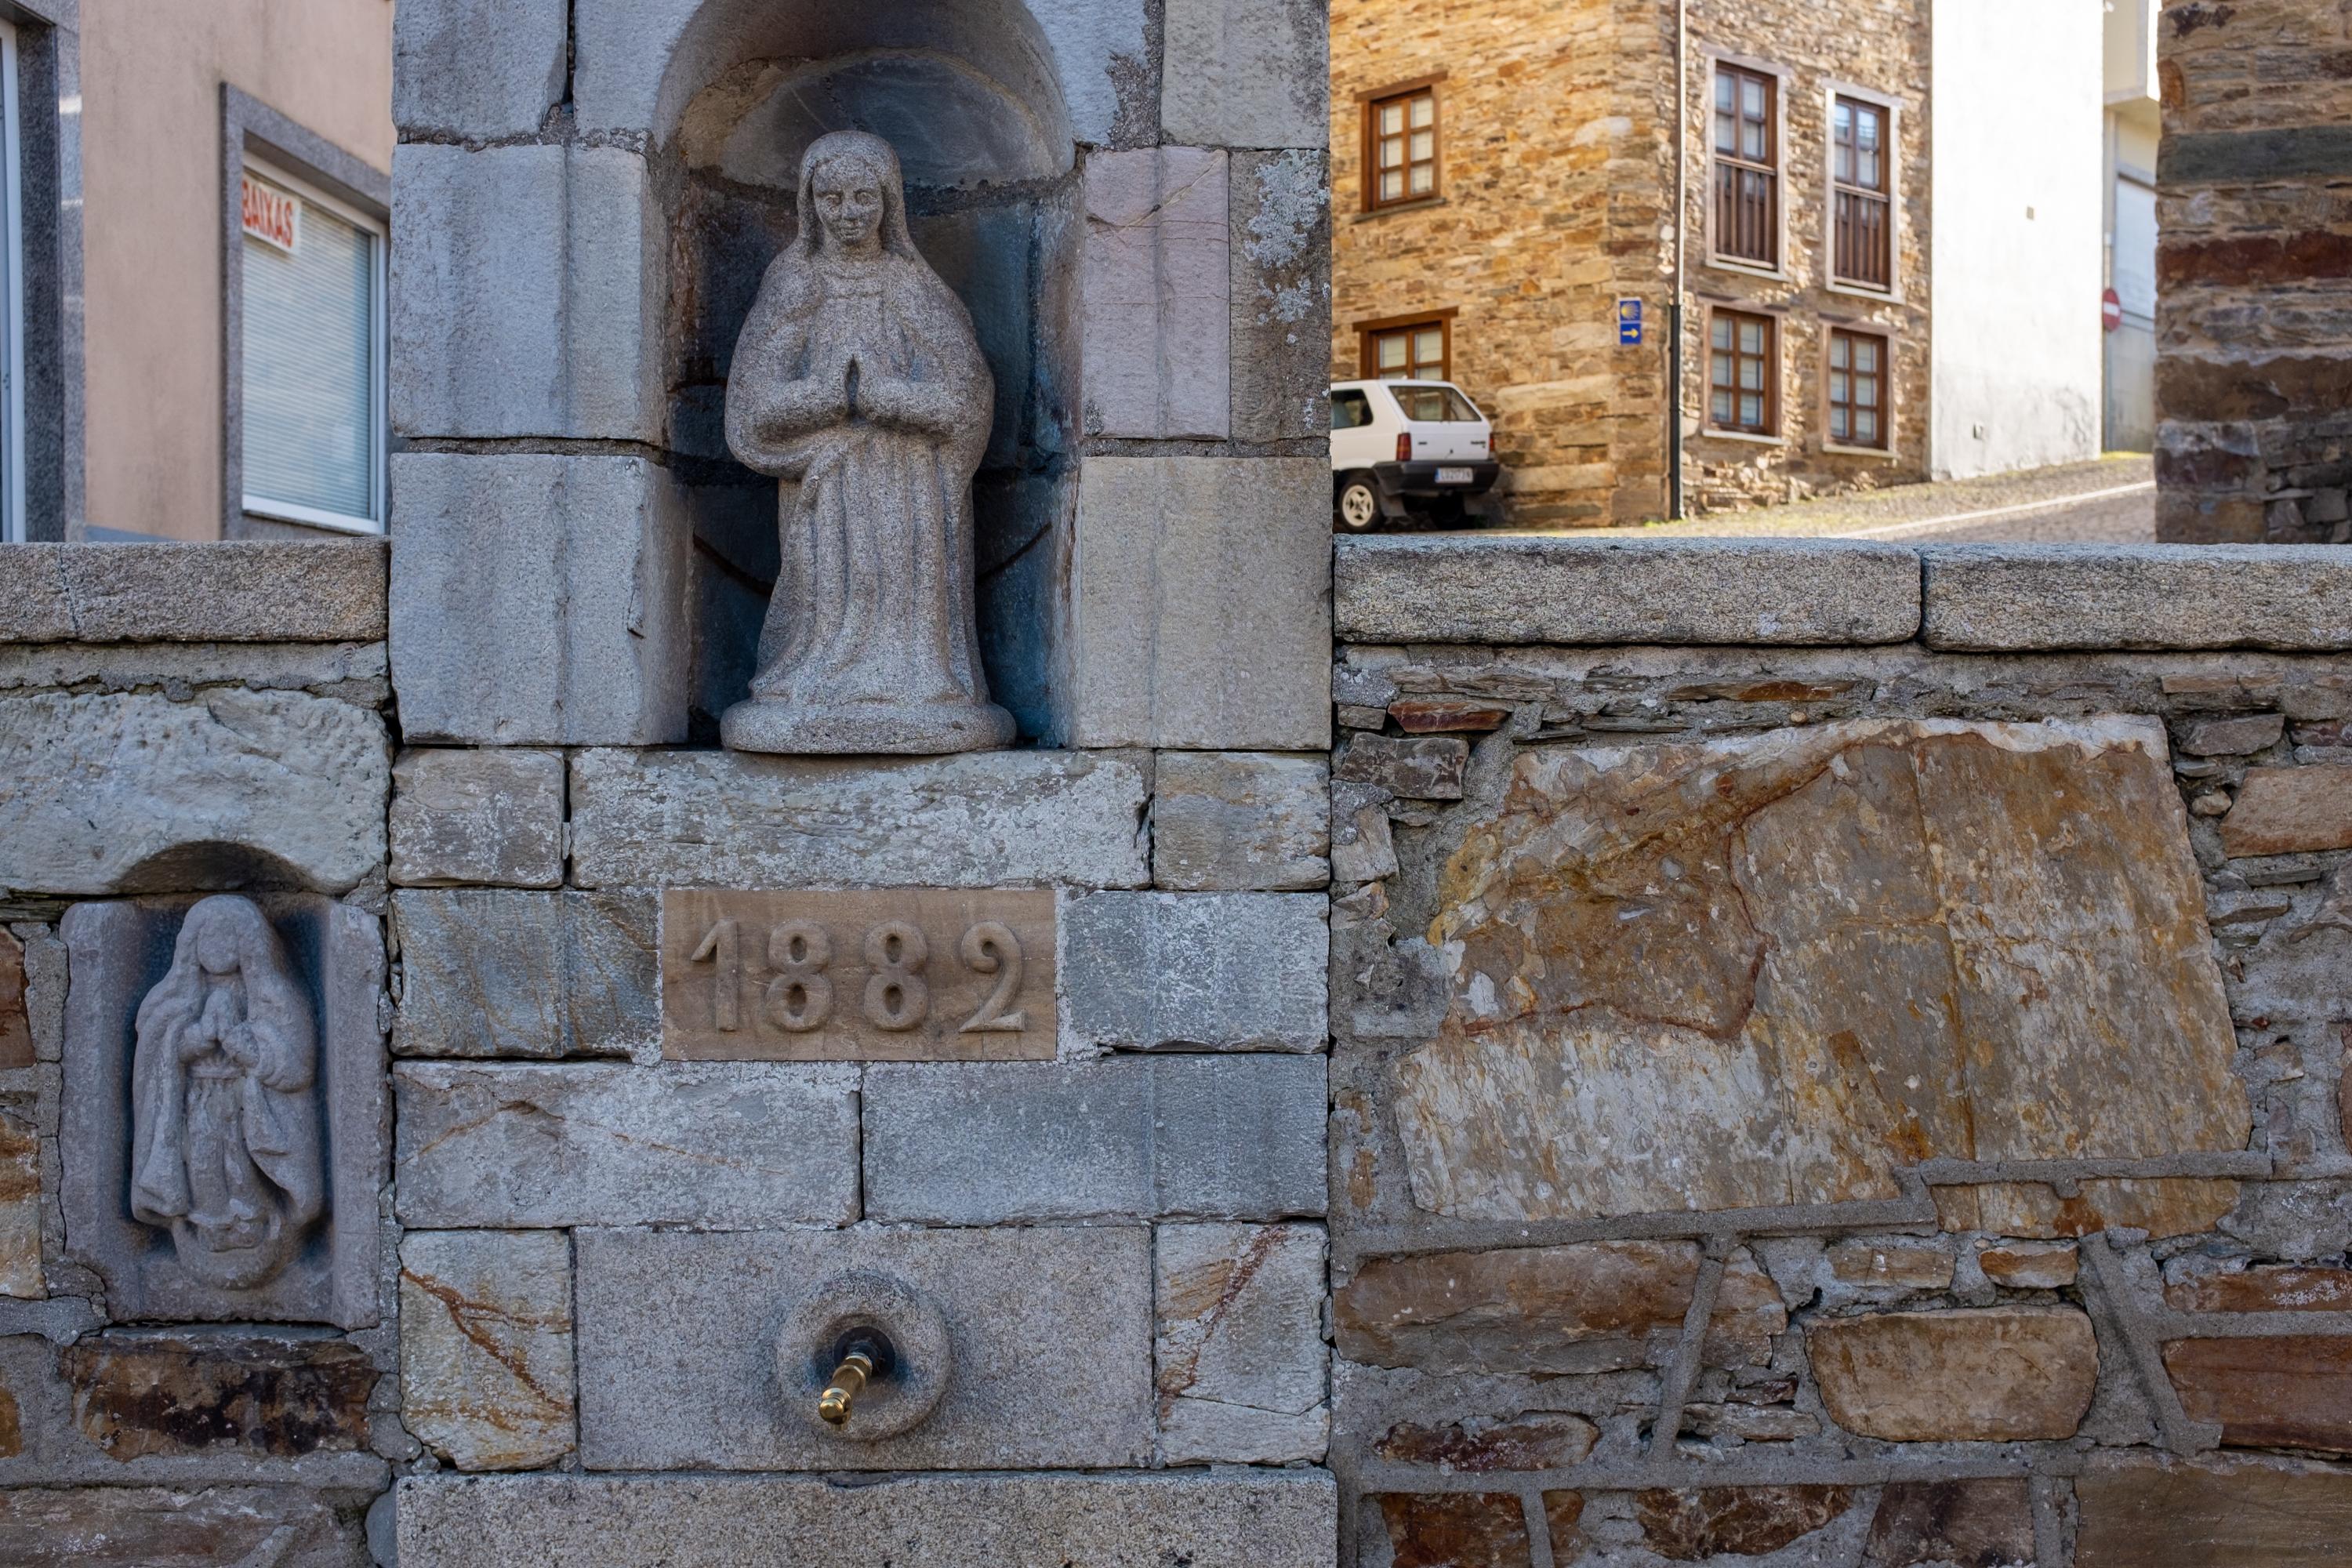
{"points": [[1681, 225]]}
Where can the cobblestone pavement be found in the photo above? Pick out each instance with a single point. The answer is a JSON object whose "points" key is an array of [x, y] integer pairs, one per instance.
{"points": [[2109, 501]]}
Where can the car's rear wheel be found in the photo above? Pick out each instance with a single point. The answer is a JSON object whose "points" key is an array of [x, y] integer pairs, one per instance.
{"points": [[1358, 506]]}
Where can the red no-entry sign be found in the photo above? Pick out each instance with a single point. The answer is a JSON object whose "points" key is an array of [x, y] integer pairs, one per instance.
{"points": [[2111, 310]]}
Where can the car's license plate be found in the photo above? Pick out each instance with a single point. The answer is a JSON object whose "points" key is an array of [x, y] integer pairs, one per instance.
{"points": [[1455, 476]]}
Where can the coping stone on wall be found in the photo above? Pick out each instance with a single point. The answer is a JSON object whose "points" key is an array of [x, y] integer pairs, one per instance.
{"points": [[1196, 1137], [240, 591], [479, 68], [1786, 593], [1250, 1518], [2002, 597], [984, 819], [679, 1337]]}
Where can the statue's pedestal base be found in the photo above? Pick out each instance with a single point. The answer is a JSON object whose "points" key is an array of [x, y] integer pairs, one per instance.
{"points": [[865, 729]]}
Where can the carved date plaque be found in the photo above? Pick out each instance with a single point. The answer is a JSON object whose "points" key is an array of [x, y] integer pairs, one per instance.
{"points": [[896, 975]]}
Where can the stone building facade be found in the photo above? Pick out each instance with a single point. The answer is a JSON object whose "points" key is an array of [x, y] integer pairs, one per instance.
{"points": [[1552, 204], [2254, 192]]}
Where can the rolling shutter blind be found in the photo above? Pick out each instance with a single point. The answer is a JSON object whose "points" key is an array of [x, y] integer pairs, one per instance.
{"points": [[311, 400]]}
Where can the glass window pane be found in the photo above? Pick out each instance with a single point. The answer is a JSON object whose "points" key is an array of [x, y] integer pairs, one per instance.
{"points": [[1393, 153], [1751, 144], [1751, 337], [1838, 341], [1722, 331], [1838, 425], [311, 401], [1424, 146], [1726, 134], [1392, 184], [1723, 91], [1865, 424], [1431, 342], [1425, 178], [1865, 391], [1722, 408], [1752, 374], [1866, 354], [1751, 99], [1837, 387], [1390, 347], [1425, 111], [1392, 119], [1752, 411]]}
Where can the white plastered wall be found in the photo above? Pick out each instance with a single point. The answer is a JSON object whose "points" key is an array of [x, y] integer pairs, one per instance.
{"points": [[2019, 245]]}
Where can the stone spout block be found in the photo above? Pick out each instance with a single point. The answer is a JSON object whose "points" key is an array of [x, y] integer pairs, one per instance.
{"points": [[864, 1356]]}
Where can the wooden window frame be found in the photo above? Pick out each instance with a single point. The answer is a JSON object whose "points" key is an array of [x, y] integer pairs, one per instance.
{"points": [[1894, 110], [1831, 329], [1368, 358], [1370, 104], [1778, 77], [1775, 401]]}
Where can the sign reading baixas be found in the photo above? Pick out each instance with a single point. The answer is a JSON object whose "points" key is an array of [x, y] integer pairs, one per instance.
{"points": [[902, 975]]}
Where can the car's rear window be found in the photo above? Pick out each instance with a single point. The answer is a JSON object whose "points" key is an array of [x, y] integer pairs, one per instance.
{"points": [[1434, 405], [1350, 410]]}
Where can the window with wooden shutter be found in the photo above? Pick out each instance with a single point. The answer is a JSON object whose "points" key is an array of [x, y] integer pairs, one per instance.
{"points": [[1746, 166], [1743, 374], [1862, 156], [1859, 363], [1401, 148], [1411, 351]]}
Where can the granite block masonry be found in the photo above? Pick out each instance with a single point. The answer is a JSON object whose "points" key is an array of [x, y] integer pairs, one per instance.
{"points": [[610, 1098], [518, 1146], [1024, 1307]]}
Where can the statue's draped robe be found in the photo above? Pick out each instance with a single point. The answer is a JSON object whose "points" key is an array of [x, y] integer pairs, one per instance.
{"points": [[206, 1133], [873, 601]]}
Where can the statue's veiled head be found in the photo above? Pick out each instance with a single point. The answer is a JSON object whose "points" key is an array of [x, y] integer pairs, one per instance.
{"points": [[852, 199]]}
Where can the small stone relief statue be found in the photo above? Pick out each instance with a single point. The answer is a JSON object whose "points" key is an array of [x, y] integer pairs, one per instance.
{"points": [[857, 376], [224, 1128]]}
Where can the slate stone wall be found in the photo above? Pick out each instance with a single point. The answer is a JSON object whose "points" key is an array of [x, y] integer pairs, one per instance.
{"points": [[2255, 209], [1854, 1084]]}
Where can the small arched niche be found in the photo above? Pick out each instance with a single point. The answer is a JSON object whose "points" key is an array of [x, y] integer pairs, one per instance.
{"points": [[967, 95]]}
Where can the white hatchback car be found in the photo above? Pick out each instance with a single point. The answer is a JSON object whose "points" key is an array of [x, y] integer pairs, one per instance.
{"points": [[1411, 451]]}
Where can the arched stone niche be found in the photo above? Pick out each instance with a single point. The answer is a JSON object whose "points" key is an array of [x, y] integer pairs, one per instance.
{"points": [[968, 95]]}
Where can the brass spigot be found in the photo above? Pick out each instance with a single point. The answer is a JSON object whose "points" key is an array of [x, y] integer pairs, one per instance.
{"points": [[849, 1380]]}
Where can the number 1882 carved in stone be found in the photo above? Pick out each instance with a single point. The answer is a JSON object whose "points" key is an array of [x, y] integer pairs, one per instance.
{"points": [[913, 974]]}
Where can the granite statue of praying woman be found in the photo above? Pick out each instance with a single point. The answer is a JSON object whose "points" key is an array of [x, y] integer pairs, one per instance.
{"points": [[857, 376], [224, 1128]]}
